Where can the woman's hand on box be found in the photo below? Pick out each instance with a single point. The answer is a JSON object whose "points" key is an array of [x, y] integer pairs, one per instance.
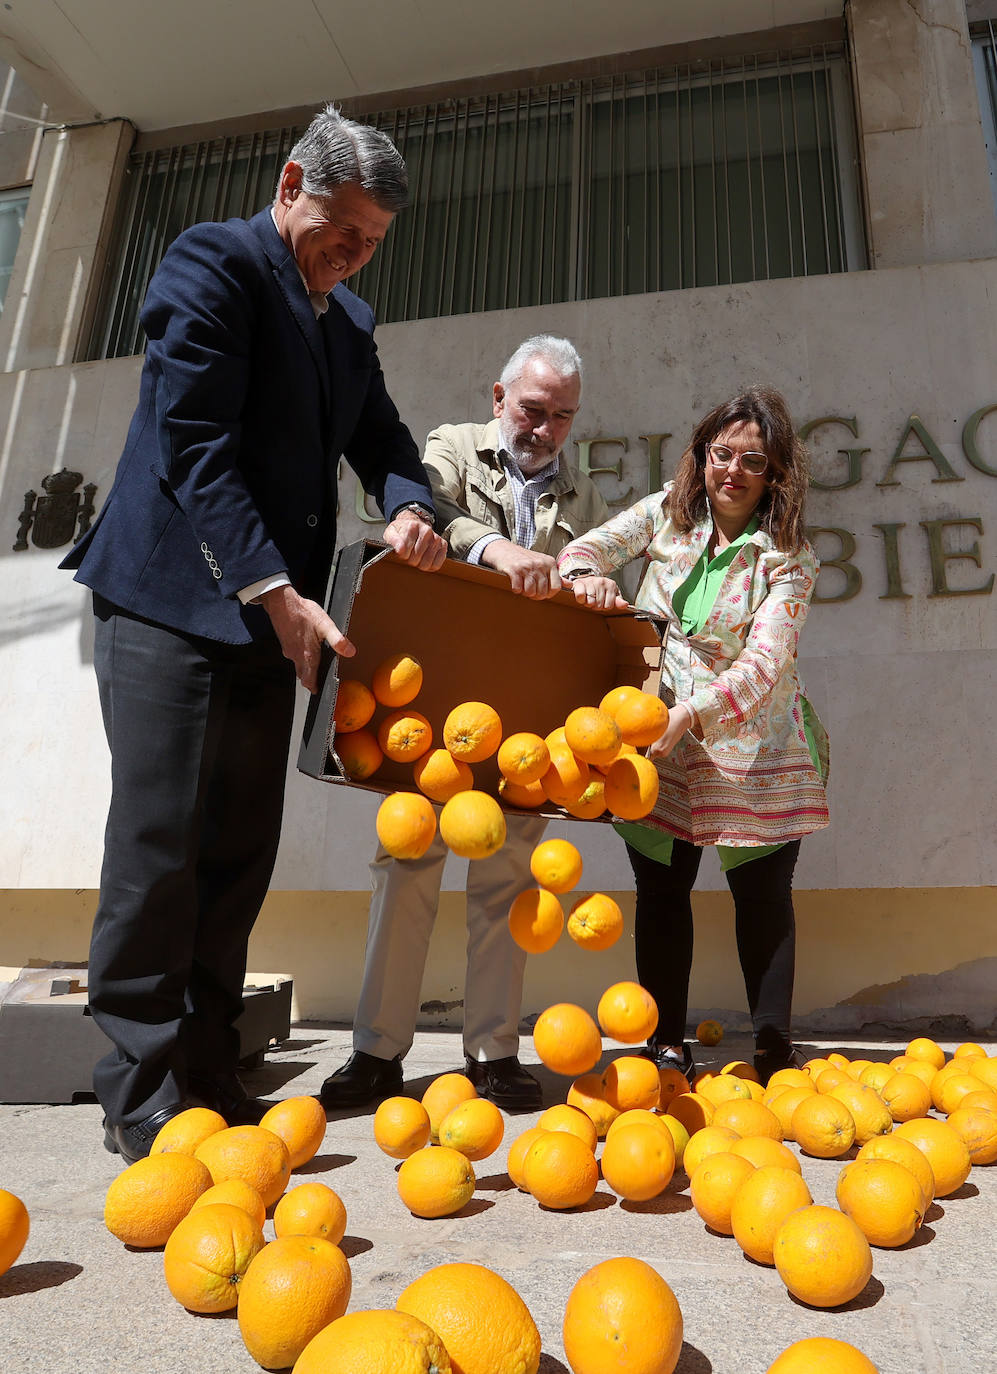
{"points": [[598, 593]]}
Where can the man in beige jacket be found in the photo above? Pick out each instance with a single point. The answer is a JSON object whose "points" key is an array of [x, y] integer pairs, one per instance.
{"points": [[506, 497]]}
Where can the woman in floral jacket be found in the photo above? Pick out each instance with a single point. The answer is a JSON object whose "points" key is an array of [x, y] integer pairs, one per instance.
{"points": [[743, 760]]}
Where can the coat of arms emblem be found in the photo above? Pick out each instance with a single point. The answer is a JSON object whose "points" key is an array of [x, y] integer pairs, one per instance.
{"points": [[60, 516]]}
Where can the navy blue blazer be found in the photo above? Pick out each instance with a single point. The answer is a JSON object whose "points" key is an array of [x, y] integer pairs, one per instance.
{"points": [[246, 404]]}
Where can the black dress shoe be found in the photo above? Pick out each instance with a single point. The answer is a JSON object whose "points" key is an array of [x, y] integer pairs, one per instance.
{"points": [[363, 1078], [224, 1093], [135, 1141], [768, 1062], [505, 1082], [666, 1058]]}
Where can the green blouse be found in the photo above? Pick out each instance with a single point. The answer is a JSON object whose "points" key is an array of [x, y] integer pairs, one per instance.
{"points": [[693, 603]]}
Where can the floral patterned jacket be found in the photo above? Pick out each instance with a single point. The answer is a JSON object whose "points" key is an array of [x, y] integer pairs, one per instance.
{"points": [[751, 779]]}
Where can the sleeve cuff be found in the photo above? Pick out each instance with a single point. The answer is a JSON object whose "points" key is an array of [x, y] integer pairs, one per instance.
{"points": [[255, 590], [478, 547]]}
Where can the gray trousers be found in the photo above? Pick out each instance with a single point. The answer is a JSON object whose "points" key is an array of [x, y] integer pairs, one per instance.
{"points": [[403, 908]]}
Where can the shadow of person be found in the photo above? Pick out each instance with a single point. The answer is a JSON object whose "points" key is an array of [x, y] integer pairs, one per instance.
{"points": [[37, 1275]]}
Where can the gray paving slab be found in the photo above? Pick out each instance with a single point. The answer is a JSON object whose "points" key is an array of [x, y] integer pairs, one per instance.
{"points": [[77, 1300]]}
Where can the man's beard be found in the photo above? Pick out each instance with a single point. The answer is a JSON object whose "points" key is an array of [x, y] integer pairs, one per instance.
{"points": [[528, 459]]}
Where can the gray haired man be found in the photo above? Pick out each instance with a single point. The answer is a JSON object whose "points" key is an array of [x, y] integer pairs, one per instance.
{"points": [[505, 497]]}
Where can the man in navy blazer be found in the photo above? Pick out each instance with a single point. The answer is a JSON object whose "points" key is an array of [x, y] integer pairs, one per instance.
{"points": [[209, 563]]}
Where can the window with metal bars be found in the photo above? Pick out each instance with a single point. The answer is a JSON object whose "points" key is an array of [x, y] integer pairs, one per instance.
{"points": [[715, 172], [984, 36]]}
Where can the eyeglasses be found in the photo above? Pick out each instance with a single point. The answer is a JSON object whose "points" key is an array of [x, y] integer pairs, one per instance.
{"points": [[721, 457]]}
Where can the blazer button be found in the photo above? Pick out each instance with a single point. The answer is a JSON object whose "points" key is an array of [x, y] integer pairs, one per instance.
{"points": [[312, 521]]}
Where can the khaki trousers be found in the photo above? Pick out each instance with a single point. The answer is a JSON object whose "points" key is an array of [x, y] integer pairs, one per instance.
{"points": [[403, 908]]}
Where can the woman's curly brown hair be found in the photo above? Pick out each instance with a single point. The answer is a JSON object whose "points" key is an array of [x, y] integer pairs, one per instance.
{"points": [[781, 511]]}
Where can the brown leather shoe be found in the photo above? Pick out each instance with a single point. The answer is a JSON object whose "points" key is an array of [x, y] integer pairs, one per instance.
{"points": [[505, 1082]]}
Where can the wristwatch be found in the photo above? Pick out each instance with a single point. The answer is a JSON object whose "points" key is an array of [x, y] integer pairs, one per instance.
{"points": [[427, 516]]}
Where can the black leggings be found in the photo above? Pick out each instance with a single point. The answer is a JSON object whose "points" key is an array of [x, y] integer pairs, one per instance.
{"points": [[766, 938]]}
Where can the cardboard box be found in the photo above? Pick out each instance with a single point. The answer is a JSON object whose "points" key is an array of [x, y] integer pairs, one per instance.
{"points": [[534, 661]]}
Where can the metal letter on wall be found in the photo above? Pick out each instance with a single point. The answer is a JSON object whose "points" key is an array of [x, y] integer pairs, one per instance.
{"points": [[59, 517], [843, 562], [932, 454], [940, 556], [854, 455]]}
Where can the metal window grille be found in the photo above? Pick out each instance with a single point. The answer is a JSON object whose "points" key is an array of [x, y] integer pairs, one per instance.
{"points": [[984, 35], [716, 172]]}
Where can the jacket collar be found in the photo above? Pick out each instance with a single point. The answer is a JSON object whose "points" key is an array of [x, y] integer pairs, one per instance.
{"points": [[292, 288]]}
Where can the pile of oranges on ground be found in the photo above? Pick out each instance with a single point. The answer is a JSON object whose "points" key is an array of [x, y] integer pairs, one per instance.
{"points": [[587, 766]]}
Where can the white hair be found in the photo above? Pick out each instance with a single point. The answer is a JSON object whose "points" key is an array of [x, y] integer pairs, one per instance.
{"points": [[336, 151], [559, 354]]}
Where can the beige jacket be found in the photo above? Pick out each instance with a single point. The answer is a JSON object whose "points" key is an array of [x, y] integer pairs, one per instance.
{"points": [[473, 495]]}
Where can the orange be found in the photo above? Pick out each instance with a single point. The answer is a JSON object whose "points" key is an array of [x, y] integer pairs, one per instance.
{"points": [[902, 1152], [527, 796], [472, 825], [954, 1089], [375, 1343], [145, 1203], [761, 1204], [869, 1112], [472, 731], [708, 1140], [831, 1078], [556, 865], [588, 1094], [982, 1097], [738, 1068], [294, 1287], [556, 739], [622, 1315], [14, 1227], [566, 1039], [857, 1067], [719, 1088], [436, 1182], [942, 1078], [184, 1132], [680, 1137], [536, 920], [822, 1256], [359, 753], [592, 734], [301, 1123], [615, 698], [251, 1153], [712, 1187], [883, 1198], [627, 1013], [631, 787], [442, 1095], [564, 1117], [237, 1194], [401, 1126], [821, 1355], [672, 1082], [406, 824], [928, 1050], [591, 803], [480, 1318], [748, 1117], [823, 1126], [632, 1081], [985, 1070], [523, 758], [560, 1170], [311, 1209], [623, 751], [969, 1049], [355, 704], [906, 1096], [567, 776], [977, 1128], [709, 1032], [839, 1060], [764, 1152], [640, 1116], [518, 1151], [642, 719], [876, 1076], [404, 735], [440, 776], [638, 1161], [475, 1128], [397, 680], [920, 1068], [784, 1104], [814, 1067], [693, 1111], [595, 922], [207, 1256], [945, 1149]]}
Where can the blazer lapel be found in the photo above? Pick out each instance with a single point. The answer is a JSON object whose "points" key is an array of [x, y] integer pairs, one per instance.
{"points": [[292, 288]]}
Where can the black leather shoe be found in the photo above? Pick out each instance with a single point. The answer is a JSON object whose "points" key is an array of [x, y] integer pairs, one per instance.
{"points": [[225, 1094], [505, 1082], [135, 1141], [666, 1058], [768, 1062], [363, 1078]]}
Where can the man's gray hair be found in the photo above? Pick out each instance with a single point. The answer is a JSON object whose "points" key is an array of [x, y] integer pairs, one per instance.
{"points": [[559, 354], [335, 151]]}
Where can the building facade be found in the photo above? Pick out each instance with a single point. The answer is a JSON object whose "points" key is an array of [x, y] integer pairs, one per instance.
{"points": [[808, 204]]}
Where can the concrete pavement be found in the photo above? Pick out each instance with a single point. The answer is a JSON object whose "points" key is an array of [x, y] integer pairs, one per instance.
{"points": [[79, 1302]]}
